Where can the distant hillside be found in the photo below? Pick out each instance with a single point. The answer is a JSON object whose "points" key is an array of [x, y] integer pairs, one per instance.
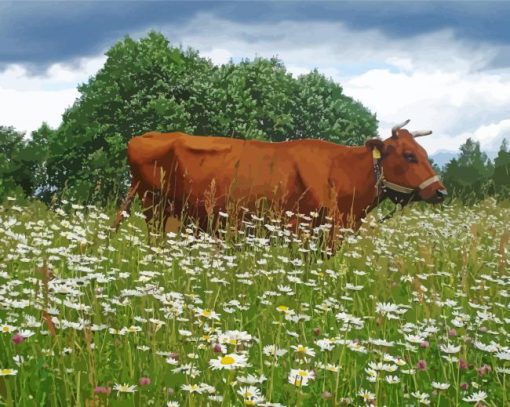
{"points": [[443, 157]]}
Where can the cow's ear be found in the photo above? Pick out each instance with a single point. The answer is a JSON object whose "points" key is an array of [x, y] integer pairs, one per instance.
{"points": [[377, 147]]}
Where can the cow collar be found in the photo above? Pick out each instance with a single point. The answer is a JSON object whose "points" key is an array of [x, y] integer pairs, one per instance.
{"points": [[382, 185]]}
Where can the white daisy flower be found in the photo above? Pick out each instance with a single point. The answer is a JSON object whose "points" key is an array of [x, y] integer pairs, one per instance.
{"points": [[300, 377], [449, 348], [228, 362], [124, 388], [476, 397]]}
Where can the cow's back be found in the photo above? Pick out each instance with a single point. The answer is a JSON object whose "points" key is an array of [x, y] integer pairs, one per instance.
{"points": [[239, 170]]}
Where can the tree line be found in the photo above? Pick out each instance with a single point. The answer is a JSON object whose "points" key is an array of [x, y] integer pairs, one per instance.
{"points": [[473, 176], [148, 84]]}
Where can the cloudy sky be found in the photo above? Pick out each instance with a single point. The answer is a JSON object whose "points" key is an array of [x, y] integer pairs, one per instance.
{"points": [[445, 64]]}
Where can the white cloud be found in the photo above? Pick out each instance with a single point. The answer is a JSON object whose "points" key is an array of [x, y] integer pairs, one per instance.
{"points": [[27, 100], [26, 110], [310, 44], [218, 56], [491, 136], [454, 105]]}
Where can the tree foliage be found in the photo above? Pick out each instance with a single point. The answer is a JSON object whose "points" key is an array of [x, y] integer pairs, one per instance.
{"points": [[466, 176], [501, 177], [21, 163]]}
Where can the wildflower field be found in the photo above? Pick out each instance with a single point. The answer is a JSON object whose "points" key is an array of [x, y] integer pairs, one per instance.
{"points": [[411, 311]]}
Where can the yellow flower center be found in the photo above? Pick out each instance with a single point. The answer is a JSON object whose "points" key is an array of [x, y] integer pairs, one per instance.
{"points": [[301, 348], [227, 360], [6, 371], [282, 308], [302, 373], [5, 329], [206, 313]]}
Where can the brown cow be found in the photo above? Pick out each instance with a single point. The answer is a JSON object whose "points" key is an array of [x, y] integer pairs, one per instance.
{"points": [[197, 176]]}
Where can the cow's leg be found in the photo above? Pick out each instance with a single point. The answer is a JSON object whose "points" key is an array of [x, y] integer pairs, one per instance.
{"points": [[126, 205]]}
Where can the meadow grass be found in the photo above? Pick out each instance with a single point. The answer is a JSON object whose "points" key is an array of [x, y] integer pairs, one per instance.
{"points": [[411, 311]]}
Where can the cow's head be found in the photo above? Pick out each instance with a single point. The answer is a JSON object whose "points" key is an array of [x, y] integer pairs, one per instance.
{"points": [[407, 173]]}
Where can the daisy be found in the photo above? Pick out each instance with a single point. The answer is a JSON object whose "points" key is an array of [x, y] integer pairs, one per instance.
{"points": [[250, 394], [384, 308], [7, 328], [449, 348], [325, 344], [329, 366], [371, 375], [8, 372], [228, 362], [303, 350], [124, 388], [414, 338], [172, 361], [272, 350], [392, 379], [503, 355], [235, 337], [440, 386], [476, 397], [207, 313], [284, 309], [423, 398], [300, 378], [251, 379], [366, 395], [192, 388]]}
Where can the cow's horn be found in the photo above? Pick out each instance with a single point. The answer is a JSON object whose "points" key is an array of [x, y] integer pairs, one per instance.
{"points": [[395, 128], [421, 133]]}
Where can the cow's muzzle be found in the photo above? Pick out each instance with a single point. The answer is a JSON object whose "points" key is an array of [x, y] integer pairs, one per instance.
{"points": [[438, 197], [441, 194]]}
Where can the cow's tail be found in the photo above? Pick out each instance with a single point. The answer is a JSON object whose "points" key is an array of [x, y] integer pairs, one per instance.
{"points": [[126, 204]]}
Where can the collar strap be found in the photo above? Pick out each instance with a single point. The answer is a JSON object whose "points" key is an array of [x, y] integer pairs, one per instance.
{"points": [[428, 182], [381, 183], [396, 187]]}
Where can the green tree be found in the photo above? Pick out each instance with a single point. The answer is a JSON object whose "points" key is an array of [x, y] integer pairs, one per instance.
{"points": [[251, 100], [11, 144], [37, 155], [468, 175], [501, 177], [323, 111]]}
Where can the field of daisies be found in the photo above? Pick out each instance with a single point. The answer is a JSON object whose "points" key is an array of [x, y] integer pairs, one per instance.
{"points": [[411, 311]]}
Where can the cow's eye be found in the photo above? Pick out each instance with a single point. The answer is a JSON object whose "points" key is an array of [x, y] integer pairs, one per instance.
{"points": [[410, 157]]}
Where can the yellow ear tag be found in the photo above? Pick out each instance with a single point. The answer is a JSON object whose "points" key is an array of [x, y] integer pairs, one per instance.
{"points": [[376, 154]]}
